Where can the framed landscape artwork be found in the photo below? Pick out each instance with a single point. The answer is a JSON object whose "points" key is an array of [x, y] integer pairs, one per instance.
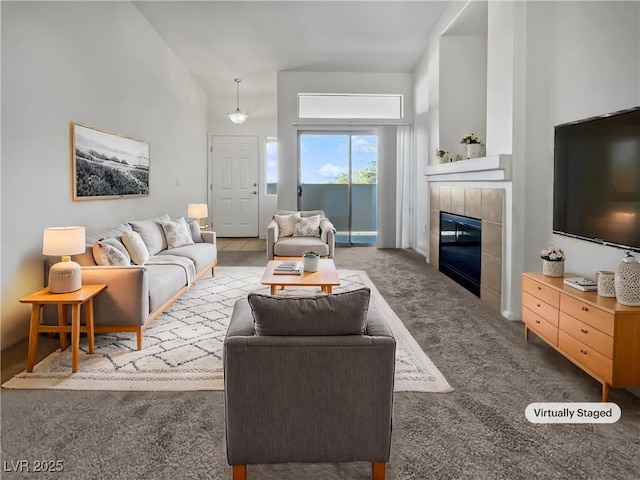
{"points": [[106, 165]]}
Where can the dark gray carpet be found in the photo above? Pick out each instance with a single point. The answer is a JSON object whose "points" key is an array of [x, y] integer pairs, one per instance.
{"points": [[477, 432]]}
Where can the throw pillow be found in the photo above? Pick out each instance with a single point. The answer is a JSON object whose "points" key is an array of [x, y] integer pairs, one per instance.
{"points": [[136, 247], [286, 224], [307, 226], [196, 232], [110, 252], [152, 233], [335, 314], [177, 233]]}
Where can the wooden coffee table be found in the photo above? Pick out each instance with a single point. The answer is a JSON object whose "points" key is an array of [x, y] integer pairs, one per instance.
{"points": [[326, 277]]}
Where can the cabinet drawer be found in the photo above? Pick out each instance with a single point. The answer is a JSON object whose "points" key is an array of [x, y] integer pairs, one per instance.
{"points": [[540, 326], [588, 335], [588, 314], [541, 291], [541, 308], [593, 361]]}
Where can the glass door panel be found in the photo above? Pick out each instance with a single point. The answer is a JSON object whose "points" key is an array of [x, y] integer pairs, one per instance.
{"points": [[338, 174], [364, 170]]}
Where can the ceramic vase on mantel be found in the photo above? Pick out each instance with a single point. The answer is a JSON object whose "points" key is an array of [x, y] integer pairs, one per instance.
{"points": [[552, 269], [474, 150], [628, 281]]}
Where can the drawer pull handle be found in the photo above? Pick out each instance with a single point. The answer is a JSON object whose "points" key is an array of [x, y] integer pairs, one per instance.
{"points": [[538, 305], [584, 331], [537, 321], [584, 352], [585, 309], [539, 288]]}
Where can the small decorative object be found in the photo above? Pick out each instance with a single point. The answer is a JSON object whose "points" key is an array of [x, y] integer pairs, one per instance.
{"points": [[553, 262], [310, 261], [443, 155], [627, 281], [472, 144], [65, 276], [106, 165], [606, 283]]}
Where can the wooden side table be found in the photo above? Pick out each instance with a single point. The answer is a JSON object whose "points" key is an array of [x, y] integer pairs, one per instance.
{"points": [[76, 299]]}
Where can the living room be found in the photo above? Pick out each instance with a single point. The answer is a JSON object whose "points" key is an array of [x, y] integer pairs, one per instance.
{"points": [[105, 65]]}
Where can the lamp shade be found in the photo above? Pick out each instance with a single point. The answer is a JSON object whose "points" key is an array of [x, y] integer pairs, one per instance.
{"points": [[63, 241], [197, 210]]}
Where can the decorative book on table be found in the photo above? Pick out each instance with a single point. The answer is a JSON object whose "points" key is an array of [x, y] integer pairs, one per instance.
{"points": [[288, 268], [581, 283]]}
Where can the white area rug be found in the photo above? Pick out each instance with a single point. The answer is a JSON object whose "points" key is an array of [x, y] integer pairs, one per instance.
{"points": [[183, 347]]}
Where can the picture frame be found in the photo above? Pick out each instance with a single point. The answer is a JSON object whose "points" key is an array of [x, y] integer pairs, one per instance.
{"points": [[106, 165]]}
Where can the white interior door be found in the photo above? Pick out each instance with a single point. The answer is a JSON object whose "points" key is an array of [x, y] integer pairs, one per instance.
{"points": [[234, 185]]}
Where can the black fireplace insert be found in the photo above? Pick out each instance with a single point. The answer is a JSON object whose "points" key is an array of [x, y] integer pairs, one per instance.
{"points": [[460, 250]]}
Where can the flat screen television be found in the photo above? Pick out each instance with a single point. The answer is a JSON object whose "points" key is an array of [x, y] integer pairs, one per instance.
{"points": [[596, 190]]}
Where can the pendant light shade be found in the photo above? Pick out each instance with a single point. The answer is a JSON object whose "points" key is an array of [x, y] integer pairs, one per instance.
{"points": [[238, 117]]}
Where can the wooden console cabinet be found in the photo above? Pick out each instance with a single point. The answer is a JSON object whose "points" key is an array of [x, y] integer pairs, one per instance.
{"points": [[598, 334]]}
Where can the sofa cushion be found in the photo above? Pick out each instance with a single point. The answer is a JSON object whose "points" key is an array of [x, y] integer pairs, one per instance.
{"points": [[136, 247], [307, 226], [294, 246], [334, 314], [110, 252], [286, 224], [177, 233], [202, 254], [152, 233], [164, 282]]}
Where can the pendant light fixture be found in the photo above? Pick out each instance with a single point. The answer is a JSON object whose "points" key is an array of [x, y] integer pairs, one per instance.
{"points": [[238, 117]]}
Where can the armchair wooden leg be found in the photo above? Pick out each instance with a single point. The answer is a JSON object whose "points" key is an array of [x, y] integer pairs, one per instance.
{"points": [[239, 472], [378, 470]]}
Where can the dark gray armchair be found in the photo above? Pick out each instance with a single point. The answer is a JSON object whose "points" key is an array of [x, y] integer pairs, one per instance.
{"points": [[308, 386]]}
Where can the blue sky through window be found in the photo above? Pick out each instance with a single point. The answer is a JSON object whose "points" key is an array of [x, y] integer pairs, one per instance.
{"points": [[324, 156]]}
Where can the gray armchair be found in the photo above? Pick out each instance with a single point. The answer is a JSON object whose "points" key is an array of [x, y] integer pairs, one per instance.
{"points": [[283, 243], [306, 386]]}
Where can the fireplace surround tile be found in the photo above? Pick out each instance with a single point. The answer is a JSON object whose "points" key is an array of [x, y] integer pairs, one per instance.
{"points": [[487, 205]]}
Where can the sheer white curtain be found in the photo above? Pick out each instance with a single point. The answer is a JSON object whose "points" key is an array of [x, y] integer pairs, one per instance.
{"points": [[395, 187], [405, 175]]}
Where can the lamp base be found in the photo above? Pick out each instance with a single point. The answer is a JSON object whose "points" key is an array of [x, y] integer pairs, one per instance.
{"points": [[65, 277]]}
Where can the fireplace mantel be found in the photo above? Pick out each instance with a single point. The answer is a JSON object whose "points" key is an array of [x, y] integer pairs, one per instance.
{"points": [[496, 168]]}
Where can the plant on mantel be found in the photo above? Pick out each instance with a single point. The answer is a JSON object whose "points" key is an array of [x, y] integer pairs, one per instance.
{"points": [[470, 139]]}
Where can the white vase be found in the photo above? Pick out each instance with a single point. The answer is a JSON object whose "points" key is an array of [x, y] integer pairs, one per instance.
{"points": [[473, 150], [310, 264], [552, 269], [628, 281]]}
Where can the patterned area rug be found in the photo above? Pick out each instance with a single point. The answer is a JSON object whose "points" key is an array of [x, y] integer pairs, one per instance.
{"points": [[183, 347]]}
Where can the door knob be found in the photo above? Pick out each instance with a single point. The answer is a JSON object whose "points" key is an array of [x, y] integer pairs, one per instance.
{"points": [[255, 184], [254, 192]]}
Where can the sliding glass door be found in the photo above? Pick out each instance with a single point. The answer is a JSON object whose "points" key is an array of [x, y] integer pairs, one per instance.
{"points": [[338, 174]]}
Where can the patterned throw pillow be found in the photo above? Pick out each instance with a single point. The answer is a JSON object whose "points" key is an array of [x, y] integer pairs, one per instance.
{"points": [[307, 226], [286, 224], [110, 252], [177, 233], [136, 247]]}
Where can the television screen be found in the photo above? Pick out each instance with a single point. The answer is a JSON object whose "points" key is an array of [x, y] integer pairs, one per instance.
{"points": [[596, 191]]}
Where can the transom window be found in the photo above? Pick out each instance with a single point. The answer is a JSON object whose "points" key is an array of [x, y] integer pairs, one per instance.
{"points": [[350, 106]]}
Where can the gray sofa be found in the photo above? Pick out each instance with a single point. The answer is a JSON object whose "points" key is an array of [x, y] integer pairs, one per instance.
{"points": [[282, 243], [137, 294], [308, 380]]}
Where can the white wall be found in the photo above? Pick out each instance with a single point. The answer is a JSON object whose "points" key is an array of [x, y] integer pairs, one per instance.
{"points": [[463, 90], [583, 59], [262, 123], [100, 64]]}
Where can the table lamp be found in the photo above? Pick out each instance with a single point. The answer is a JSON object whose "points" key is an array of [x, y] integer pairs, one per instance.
{"points": [[198, 211], [64, 276]]}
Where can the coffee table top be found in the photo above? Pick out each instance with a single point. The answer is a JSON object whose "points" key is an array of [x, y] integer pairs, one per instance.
{"points": [[327, 275]]}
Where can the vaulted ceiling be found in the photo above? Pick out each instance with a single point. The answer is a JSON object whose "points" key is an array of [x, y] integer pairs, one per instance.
{"points": [[221, 40]]}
